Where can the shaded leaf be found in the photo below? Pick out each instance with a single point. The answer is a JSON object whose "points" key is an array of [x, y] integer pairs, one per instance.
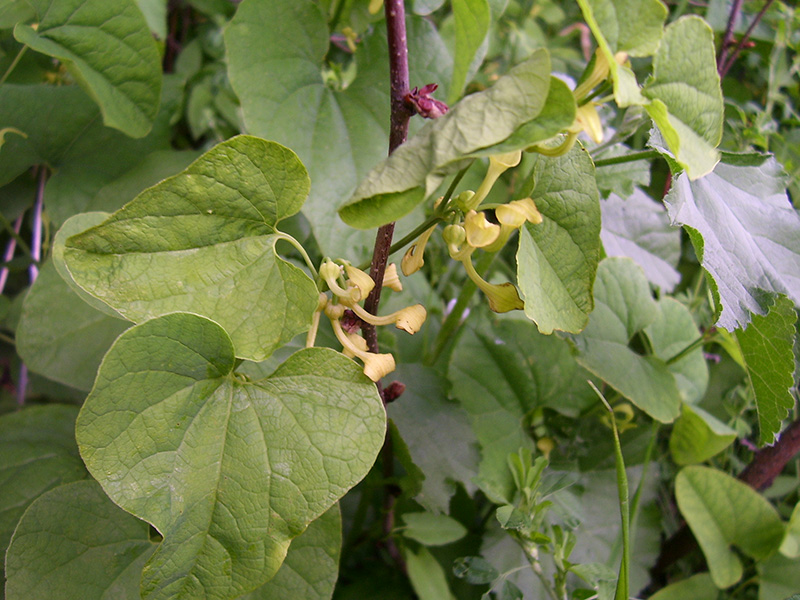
{"points": [[697, 436], [427, 576], [475, 570], [696, 587], [767, 351], [75, 529], [557, 259], [638, 227], [745, 233], [790, 546], [108, 47], [472, 20], [621, 179], [228, 470], [203, 241], [431, 529], [722, 511], [778, 578]]}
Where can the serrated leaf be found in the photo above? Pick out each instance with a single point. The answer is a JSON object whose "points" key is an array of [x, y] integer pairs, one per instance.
{"points": [[203, 241], [638, 227], [60, 336], [311, 567], [338, 134], [432, 530], [697, 436], [767, 351], [722, 511], [472, 19], [686, 97], [228, 470], [557, 259], [397, 185], [438, 434], [624, 306], [108, 47], [746, 235], [74, 529]]}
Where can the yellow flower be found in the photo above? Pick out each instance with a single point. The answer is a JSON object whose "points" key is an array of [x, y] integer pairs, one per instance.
{"points": [[391, 279], [408, 319], [330, 273], [376, 366], [479, 231], [502, 298], [599, 73], [587, 119], [413, 259], [515, 213], [361, 280], [498, 164]]}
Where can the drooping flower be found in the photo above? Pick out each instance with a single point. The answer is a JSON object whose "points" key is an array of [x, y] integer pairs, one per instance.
{"points": [[391, 279], [330, 273], [413, 258], [498, 164], [408, 319], [376, 366], [360, 279], [479, 231], [502, 298]]}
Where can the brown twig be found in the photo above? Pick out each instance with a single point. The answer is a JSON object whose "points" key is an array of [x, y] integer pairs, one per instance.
{"points": [[727, 38], [724, 67]]}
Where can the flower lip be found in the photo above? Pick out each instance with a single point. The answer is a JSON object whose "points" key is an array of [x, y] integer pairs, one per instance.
{"points": [[480, 232], [391, 279], [515, 213], [414, 256], [360, 279]]}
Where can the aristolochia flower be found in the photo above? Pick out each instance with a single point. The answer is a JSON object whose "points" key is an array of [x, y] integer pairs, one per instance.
{"points": [[376, 366], [413, 259], [330, 273], [391, 279], [498, 164], [515, 213], [408, 319], [480, 232], [360, 279], [588, 120], [502, 298]]}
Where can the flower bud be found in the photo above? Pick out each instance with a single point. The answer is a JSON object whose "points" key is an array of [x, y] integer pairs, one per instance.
{"points": [[479, 231], [464, 200]]}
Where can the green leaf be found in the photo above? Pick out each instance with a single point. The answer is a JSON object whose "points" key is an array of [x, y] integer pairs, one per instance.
{"points": [[432, 530], [624, 306], [472, 19], [638, 227], [790, 547], [746, 235], [778, 578], [15, 11], [697, 436], [475, 570], [414, 171], [630, 26], [228, 470], [557, 259], [75, 529], [108, 47], [204, 241], [503, 373], [438, 434], [696, 587], [37, 453], [338, 134], [312, 563], [60, 336], [427, 576], [155, 13], [621, 179], [722, 511], [686, 96], [767, 351]]}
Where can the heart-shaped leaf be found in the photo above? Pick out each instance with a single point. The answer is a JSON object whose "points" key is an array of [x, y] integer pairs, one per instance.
{"points": [[697, 436], [204, 241], [228, 470], [108, 46]]}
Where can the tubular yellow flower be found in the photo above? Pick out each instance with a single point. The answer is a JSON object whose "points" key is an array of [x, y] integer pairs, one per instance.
{"points": [[515, 213], [358, 341], [599, 73], [502, 298], [360, 279], [391, 279], [330, 272], [376, 366], [498, 164], [587, 119], [413, 259], [408, 319], [480, 232]]}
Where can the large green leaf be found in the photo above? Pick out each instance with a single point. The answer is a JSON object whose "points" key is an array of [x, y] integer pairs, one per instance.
{"points": [[638, 227], [73, 543], [686, 98], [721, 512], [778, 578], [745, 232], [767, 351], [413, 171], [228, 470], [276, 52], [108, 47], [790, 546], [472, 19], [696, 587], [623, 307], [438, 435], [500, 376], [204, 241], [37, 452], [697, 436], [557, 259], [311, 567]]}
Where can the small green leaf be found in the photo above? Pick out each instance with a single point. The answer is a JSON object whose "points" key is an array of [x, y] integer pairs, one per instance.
{"points": [[432, 530], [686, 96], [74, 529], [427, 576], [472, 19], [638, 227], [108, 47], [746, 235], [696, 587], [778, 578], [557, 259], [624, 306], [621, 179], [722, 511], [228, 470], [697, 436], [204, 241], [413, 171], [311, 567], [767, 351], [475, 570], [790, 547]]}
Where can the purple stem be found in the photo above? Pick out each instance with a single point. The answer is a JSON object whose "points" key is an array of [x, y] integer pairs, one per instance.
{"points": [[9, 253], [723, 68], [727, 39]]}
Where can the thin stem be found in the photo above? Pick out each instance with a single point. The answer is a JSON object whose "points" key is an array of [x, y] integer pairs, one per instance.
{"points": [[727, 38], [13, 64], [36, 225], [724, 67], [532, 554], [9, 253], [693, 346], [14, 233], [634, 156], [301, 250]]}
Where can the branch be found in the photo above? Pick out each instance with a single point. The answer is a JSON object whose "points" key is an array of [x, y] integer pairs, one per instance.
{"points": [[724, 67], [727, 39]]}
